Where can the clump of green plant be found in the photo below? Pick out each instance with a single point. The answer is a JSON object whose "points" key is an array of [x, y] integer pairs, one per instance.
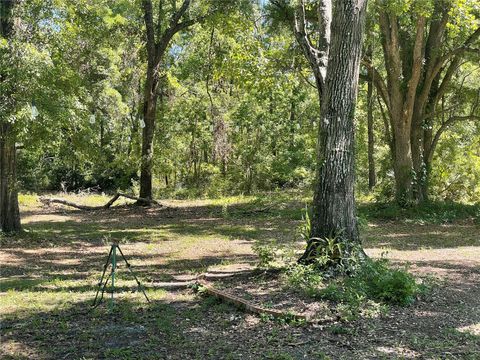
{"points": [[374, 281], [304, 278], [381, 282], [305, 226], [368, 290], [374, 285], [332, 255], [266, 255]]}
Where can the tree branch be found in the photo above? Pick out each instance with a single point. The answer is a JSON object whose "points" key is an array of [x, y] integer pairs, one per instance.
{"points": [[464, 47], [388, 134], [432, 53], [455, 61], [174, 27], [376, 77], [391, 50], [416, 69], [317, 57], [444, 127], [48, 201]]}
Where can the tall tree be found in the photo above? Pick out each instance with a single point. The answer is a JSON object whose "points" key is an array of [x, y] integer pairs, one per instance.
{"points": [[158, 37], [9, 211], [335, 60], [372, 175], [421, 58]]}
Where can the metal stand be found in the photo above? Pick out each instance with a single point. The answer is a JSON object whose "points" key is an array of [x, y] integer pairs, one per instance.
{"points": [[102, 285]]}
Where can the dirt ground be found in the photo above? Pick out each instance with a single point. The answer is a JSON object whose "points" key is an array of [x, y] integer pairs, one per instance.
{"points": [[48, 276]]}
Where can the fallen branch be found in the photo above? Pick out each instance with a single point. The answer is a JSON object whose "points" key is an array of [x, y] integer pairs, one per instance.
{"points": [[254, 211], [248, 306], [48, 201]]}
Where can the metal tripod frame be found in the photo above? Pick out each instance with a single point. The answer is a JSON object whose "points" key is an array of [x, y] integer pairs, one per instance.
{"points": [[102, 285]]}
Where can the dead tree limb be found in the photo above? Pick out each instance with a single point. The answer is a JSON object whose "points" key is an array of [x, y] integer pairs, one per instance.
{"points": [[48, 201], [246, 305]]}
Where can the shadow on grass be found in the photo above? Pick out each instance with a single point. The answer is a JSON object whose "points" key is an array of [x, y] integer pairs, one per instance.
{"points": [[136, 224], [239, 221], [420, 237], [30, 270], [189, 327]]}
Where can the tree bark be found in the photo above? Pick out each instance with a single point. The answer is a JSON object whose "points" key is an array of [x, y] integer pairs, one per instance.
{"points": [[401, 96], [148, 132], [334, 212], [9, 210]]}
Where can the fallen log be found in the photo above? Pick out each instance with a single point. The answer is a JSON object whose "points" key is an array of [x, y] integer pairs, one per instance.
{"points": [[48, 201], [248, 306], [254, 211]]}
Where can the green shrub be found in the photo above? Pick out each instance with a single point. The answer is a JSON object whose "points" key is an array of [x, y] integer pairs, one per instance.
{"points": [[266, 255], [305, 278], [380, 282], [374, 280], [374, 285]]}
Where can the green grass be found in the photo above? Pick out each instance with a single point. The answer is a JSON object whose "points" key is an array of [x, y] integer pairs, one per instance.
{"points": [[49, 284], [430, 213]]}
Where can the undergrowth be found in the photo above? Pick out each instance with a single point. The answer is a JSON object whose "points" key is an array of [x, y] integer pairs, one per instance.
{"points": [[374, 285], [429, 213]]}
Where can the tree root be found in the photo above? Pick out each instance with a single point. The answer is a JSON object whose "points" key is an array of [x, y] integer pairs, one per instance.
{"points": [[48, 201]]}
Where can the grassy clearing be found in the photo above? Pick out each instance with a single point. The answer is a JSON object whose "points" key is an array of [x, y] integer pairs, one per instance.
{"points": [[48, 277]]}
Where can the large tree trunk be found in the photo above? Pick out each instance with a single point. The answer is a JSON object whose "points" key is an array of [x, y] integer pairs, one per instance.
{"points": [[9, 212], [334, 212], [403, 164]]}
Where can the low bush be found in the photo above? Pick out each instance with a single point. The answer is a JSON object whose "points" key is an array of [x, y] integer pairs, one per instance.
{"points": [[375, 280], [374, 284]]}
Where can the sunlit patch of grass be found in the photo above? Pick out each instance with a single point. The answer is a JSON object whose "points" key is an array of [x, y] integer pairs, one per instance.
{"points": [[156, 294], [28, 201], [473, 329], [230, 200], [24, 302]]}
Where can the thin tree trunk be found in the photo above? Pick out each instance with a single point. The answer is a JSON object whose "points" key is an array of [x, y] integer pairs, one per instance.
{"points": [[149, 114], [102, 132], [372, 176], [292, 124]]}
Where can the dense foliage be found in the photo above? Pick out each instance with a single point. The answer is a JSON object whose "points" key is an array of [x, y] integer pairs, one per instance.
{"points": [[238, 111]]}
